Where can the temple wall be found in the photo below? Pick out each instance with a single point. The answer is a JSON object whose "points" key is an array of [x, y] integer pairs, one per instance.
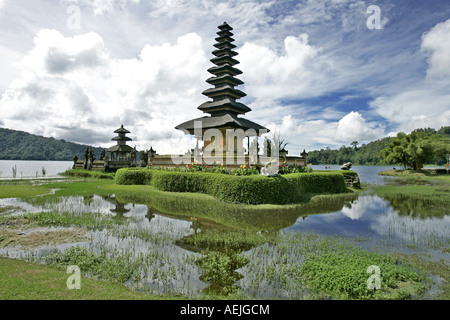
{"points": [[172, 161], [79, 165], [98, 165]]}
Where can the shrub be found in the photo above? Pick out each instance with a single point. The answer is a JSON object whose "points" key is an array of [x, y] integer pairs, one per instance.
{"points": [[251, 189], [133, 176], [245, 171], [289, 168], [88, 174]]}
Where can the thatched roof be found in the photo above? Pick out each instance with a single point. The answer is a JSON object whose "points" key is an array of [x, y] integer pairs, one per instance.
{"points": [[120, 148], [225, 121]]}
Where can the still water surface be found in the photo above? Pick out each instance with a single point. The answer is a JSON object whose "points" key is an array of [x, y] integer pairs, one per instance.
{"points": [[33, 169]]}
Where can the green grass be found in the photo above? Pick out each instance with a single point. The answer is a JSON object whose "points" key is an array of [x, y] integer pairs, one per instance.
{"points": [[85, 187], [417, 177], [91, 221], [14, 191], [29, 188], [20, 280], [417, 193]]}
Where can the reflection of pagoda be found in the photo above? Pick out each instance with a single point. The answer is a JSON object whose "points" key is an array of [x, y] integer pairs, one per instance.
{"points": [[224, 109], [119, 207]]}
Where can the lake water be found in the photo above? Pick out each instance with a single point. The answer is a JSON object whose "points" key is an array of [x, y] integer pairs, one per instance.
{"points": [[367, 174], [33, 169]]}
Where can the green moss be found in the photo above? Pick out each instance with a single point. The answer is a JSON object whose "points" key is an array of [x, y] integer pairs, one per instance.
{"points": [[15, 191]]}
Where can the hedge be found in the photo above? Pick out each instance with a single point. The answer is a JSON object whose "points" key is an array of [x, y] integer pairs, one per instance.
{"points": [[87, 174], [254, 189]]}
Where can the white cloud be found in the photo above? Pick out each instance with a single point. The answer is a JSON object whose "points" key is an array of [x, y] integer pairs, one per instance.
{"points": [[71, 84], [436, 45], [298, 72], [354, 127], [308, 134], [420, 108], [427, 103]]}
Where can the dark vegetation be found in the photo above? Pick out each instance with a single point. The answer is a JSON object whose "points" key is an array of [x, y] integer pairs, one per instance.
{"points": [[416, 149], [369, 154], [19, 145]]}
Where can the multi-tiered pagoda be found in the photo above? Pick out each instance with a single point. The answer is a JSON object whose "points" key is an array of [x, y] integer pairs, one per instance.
{"points": [[224, 110], [121, 150]]}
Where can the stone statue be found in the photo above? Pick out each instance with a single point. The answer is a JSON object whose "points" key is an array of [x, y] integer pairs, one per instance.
{"points": [[346, 166], [270, 169]]}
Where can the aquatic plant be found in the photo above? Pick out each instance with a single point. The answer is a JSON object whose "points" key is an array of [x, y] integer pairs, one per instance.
{"points": [[315, 267], [219, 269]]}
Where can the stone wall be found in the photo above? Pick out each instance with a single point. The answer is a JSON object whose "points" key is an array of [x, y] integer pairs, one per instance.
{"points": [[181, 161]]}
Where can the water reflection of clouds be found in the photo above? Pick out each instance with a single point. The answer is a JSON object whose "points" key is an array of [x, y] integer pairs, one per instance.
{"points": [[373, 217], [364, 206]]}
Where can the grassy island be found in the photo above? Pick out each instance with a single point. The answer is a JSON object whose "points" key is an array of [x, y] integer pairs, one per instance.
{"points": [[250, 189]]}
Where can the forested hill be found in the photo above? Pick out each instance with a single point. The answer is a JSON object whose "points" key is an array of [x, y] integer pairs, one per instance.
{"points": [[366, 154], [19, 145]]}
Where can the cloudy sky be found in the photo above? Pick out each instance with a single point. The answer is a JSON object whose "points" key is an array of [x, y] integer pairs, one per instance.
{"points": [[323, 73]]}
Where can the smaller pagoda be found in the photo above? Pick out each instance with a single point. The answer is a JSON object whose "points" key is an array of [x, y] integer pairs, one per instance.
{"points": [[120, 155], [121, 151]]}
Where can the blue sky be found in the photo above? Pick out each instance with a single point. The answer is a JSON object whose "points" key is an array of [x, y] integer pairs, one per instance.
{"points": [[313, 70]]}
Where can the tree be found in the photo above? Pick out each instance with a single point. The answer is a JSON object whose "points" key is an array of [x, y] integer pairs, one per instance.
{"points": [[415, 149], [102, 154], [355, 145]]}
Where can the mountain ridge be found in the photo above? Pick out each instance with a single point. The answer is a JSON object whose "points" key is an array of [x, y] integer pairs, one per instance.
{"points": [[21, 145]]}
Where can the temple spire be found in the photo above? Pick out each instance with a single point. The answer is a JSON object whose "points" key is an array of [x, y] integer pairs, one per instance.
{"points": [[224, 109], [224, 94]]}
